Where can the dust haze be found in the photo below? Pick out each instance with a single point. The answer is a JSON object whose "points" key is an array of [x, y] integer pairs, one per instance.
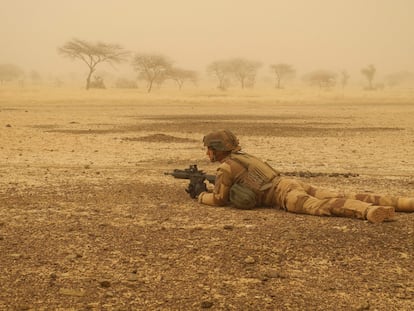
{"points": [[309, 35], [322, 90]]}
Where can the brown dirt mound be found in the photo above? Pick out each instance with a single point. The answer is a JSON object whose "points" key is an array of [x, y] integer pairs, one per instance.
{"points": [[159, 137]]}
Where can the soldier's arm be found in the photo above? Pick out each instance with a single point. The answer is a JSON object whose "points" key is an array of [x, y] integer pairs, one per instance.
{"points": [[220, 194]]}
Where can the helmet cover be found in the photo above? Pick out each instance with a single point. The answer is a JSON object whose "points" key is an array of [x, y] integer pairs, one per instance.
{"points": [[223, 140]]}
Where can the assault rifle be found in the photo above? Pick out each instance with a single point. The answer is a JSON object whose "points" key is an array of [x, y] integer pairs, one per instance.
{"points": [[196, 177]]}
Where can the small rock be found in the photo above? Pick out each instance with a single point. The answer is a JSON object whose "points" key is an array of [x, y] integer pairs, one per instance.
{"points": [[133, 277], [72, 292], [105, 283], [92, 306], [363, 306], [404, 256], [16, 256], [249, 260], [73, 256], [206, 304], [274, 274], [8, 125], [228, 227], [109, 294], [163, 205]]}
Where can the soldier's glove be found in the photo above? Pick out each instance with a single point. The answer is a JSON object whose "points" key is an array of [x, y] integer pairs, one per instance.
{"points": [[195, 187]]}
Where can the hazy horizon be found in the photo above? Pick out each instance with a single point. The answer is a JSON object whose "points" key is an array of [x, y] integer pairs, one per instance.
{"points": [[310, 35]]}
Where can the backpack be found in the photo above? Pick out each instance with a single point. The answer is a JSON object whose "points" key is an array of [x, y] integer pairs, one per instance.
{"points": [[242, 197]]}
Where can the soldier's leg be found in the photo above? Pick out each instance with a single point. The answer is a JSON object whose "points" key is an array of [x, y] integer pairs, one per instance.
{"points": [[291, 196], [320, 193], [401, 204]]}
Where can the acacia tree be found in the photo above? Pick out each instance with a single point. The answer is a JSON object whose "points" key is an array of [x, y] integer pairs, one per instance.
{"points": [[152, 68], [281, 71], [9, 72], [322, 78], [220, 70], [369, 73], [93, 54], [244, 71], [181, 75], [344, 78]]}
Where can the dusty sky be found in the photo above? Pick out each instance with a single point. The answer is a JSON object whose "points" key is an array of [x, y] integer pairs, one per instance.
{"points": [[309, 34]]}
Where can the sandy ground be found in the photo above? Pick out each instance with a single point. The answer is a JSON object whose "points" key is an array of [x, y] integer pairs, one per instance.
{"points": [[89, 221]]}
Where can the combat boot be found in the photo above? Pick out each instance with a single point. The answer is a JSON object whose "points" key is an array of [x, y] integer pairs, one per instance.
{"points": [[377, 214], [405, 205]]}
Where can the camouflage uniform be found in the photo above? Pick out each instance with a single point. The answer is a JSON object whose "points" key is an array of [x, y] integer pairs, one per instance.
{"points": [[294, 195]]}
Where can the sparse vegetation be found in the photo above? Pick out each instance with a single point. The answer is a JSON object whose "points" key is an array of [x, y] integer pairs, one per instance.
{"points": [[180, 76], [126, 83], [9, 72], [324, 79], [399, 78], [240, 70], [221, 71], [244, 71], [369, 73], [344, 78], [281, 72], [97, 83], [152, 68], [156, 69], [93, 54]]}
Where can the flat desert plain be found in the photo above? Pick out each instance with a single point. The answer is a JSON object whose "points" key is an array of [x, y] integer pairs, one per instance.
{"points": [[89, 220]]}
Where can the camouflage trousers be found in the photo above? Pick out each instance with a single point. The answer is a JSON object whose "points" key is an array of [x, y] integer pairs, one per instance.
{"points": [[298, 197]]}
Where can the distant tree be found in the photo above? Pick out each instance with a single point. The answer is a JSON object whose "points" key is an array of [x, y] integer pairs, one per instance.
{"points": [[369, 73], [125, 83], [220, 70], [281, 71], [322, 78], [398, 78], [152, 68], [9, 72], [244, 71], [344, 78], [35, 77], [181, 75], [93, 54]]}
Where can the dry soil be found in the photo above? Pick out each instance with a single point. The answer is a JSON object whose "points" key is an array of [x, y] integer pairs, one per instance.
{"points": [[89, 221]]}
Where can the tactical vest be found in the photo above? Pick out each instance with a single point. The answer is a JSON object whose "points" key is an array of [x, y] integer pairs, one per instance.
{"points": [[258, 176]]}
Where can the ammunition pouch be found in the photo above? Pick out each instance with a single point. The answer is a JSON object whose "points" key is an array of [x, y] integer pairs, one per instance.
{"points": [[242, 197]]}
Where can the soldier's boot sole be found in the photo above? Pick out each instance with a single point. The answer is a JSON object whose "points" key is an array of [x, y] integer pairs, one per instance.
{"points": [[378, 214], [405, 205]]}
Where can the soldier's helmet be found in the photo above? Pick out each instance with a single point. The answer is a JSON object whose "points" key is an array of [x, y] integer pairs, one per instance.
{"points": [[223, 140]]}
